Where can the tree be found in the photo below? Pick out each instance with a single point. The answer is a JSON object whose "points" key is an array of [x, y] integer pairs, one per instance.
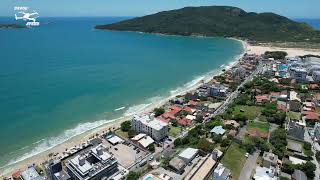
{"points": [[133, 175], [225, 143], [278, 139], [158, 111], [308, 168], [131, 133], [205, 145], [174, 123], [276, 54], [151, 148], [126, 126], [177, 142]]}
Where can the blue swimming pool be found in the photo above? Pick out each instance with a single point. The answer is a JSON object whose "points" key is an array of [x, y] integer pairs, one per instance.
{"points": [[282, 67]]}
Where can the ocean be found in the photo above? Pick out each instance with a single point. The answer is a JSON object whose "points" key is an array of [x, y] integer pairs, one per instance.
{"points": [[65, 78]]}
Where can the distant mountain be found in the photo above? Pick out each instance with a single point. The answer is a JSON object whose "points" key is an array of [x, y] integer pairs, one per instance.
{"points": [[222, 21]]}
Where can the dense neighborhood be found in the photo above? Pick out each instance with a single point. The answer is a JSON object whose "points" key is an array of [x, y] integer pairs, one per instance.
{"points": [[258, 120]]}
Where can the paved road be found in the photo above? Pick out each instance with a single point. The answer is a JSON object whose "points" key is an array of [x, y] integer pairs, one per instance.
{"points": [[248, 167]]}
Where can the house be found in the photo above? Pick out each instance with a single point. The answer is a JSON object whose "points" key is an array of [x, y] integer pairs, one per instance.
{"points": [[261, 99], [188, 154], [231, 123], [221, 173], [295, 130], [274, 96], [146, 141], [269, 159], [218, 90], [309, 106], [184, 122], [156, 129], [218, 130], [310, 116], [177, 165], [294, 102], [263, 173], [299, 175]]}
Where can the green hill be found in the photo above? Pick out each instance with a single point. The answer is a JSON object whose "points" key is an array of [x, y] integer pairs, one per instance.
{"points": [[221, 21]]}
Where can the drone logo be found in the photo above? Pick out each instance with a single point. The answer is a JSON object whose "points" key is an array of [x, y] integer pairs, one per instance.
{"points": [[31, 18]]}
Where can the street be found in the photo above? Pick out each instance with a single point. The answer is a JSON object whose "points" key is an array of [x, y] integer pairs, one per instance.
{"points": [[249, 166]]}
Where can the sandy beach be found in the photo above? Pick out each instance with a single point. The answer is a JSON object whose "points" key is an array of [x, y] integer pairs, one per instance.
{"points": [[78, 140], [292, 52]]}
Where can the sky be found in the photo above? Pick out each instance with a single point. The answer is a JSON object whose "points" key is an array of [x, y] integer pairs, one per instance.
{"points": [[52, 8]]}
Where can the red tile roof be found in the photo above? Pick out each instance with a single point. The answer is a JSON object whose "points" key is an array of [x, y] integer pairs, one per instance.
{"points": [[184, 122], [174, 110], [313, 86], [187, 109], [261, 98], [317, 96], [311, 115]]}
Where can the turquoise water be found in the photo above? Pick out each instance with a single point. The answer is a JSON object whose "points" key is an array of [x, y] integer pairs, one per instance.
{"points": [[64, 78]]}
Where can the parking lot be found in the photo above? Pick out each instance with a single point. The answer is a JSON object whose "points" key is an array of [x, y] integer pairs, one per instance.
{"points": [[126, 154]]}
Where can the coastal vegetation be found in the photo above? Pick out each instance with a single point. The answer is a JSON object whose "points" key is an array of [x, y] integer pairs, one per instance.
{"points": [[222, 21], [275, 54]]}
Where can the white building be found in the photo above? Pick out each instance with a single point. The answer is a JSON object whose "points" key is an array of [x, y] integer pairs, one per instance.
{"points": [[188, 154], [152, 127]]}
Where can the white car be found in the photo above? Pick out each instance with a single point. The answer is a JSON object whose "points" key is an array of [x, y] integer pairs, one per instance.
{"points": [[247, 155]]}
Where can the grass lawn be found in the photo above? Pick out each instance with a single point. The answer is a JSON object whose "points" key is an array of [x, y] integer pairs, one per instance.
{"points": [[174, 131], [122, 133], [293, 115], [261, 126], [250, 111], [234, 159]]}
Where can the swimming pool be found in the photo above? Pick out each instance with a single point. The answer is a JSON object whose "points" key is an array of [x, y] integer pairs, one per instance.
{"points": [[282, 67]]}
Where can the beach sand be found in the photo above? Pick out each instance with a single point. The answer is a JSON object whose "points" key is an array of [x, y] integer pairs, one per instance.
{"points": [[292, 52]]}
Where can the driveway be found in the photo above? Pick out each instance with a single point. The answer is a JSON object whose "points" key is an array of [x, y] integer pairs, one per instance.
{"points": [[249, 166]]}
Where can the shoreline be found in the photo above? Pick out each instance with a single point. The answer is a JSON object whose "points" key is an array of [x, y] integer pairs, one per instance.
{"points": [[76, 140]]}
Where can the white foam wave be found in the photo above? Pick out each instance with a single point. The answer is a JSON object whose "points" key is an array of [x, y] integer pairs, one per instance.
{"points": [[120, 108]]}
